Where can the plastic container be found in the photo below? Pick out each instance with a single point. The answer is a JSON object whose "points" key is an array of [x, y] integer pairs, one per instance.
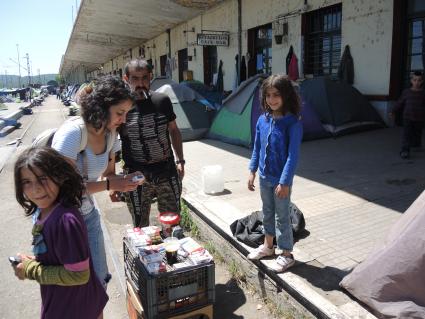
{"points": [[169, 293], [172, 245], [168, 220], [212, 179]]}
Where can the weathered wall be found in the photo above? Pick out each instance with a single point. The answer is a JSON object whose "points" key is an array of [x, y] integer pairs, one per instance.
{"points": [[77, 75], [366, 27]]}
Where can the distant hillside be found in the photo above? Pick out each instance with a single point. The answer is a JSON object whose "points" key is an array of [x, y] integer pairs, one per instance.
{"points": [[12, 81]]}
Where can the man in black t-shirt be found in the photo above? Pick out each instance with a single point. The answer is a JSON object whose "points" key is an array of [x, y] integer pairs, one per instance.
{"points": [[149, 137]]}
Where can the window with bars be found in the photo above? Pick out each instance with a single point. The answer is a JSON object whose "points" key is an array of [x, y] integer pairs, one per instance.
{"points": [[263, 50], [415, 57], [322, 36]]}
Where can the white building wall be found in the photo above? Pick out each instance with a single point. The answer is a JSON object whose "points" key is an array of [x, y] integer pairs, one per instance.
{"points": [[223, 18], [366, 27], [179, 41]]}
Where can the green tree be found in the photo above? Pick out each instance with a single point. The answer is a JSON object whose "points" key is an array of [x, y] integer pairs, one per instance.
{"points": [[59, 79]]}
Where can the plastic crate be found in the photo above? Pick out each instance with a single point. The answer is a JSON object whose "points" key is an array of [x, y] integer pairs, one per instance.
{"points": [[170, 293], [135, 310]]}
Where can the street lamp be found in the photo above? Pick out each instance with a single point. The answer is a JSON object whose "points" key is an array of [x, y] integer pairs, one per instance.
{"points": [[19, 66]]}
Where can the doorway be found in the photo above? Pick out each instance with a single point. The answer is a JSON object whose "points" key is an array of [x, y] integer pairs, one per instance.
{"points": [[210, 64], [260, 50], [162, 64], [183, 63]]}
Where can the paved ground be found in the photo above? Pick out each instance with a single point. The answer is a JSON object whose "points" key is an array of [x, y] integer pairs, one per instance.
{"points": [[350, 189], [21, 298]]}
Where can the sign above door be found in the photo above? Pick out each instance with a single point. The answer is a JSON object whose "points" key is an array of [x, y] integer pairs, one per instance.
{"points": [[213, 39]]}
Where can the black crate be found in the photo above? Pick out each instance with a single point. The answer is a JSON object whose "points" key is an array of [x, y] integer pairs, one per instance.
{"points": [[171, 292]]}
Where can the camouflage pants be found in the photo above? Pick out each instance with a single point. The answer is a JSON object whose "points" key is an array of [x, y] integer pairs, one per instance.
{"points": [[167, 192]]}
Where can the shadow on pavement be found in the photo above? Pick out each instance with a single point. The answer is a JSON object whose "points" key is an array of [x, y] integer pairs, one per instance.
{"points": [[230, 298], [326, 278], [365, 164]]}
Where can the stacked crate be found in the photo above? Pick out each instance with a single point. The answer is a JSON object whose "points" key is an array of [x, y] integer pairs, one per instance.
{"points": [[171, 294]]}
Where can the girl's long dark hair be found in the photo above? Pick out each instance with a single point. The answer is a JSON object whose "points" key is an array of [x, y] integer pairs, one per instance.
{"points": [[290, 98], [57, 168]]}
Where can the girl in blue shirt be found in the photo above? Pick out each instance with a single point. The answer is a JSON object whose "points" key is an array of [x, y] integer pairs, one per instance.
{"points": [[275, 156]]}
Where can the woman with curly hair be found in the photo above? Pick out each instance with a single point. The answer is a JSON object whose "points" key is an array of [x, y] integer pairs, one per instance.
{"points": [[104, 107]]}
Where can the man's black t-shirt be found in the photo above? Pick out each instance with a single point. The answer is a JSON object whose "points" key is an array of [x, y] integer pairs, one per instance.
{"points": [[145, 137]]}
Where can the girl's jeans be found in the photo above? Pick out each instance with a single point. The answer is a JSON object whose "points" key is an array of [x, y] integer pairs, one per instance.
{"points": [[276, 220], [97, 245]]}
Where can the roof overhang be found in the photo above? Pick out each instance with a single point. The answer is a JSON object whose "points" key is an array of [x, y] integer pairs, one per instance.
{"points": [[105, 29]]}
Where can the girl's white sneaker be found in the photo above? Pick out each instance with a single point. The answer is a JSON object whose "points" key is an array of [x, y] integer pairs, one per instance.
{"points": [[282, 263], [260, 252]]}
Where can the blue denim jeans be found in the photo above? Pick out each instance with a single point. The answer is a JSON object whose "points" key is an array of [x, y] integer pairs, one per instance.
{"points": [[97, 245], [276, 220]]}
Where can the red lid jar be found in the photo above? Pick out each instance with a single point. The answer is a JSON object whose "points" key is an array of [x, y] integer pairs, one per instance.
{"points": [[168, 220]]}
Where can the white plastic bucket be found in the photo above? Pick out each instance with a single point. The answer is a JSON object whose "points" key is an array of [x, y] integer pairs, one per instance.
{"points": [[212, 179]]}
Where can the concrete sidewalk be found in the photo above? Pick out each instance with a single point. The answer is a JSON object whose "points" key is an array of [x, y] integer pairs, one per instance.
{"points": [[350, 189]]}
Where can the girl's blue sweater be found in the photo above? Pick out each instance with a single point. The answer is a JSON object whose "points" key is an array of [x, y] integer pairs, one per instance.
{"points": [[276, 148]]}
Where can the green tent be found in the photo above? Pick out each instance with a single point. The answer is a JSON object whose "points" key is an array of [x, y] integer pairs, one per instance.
{"points": [[232, 127], [235, 122]]}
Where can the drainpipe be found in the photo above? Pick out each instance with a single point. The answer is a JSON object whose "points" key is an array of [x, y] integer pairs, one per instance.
{"points": [[239, 34], [169, 43]]}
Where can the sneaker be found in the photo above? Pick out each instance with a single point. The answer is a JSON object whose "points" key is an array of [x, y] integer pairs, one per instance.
{"points": [[282, 263], [260, 252]]}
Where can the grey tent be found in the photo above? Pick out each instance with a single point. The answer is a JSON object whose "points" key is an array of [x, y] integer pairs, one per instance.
{"points": [[160, 81], [193, 116], [391, 280], [236, 102], [341, 108]]}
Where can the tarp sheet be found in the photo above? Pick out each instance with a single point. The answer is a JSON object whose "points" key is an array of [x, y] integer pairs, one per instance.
{"points": [[392, 278]]}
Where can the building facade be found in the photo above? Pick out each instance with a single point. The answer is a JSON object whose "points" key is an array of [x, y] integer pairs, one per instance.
{"points": [[384, 36]]}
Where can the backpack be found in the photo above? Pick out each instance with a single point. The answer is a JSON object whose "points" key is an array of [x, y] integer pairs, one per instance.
{"points": [[45, 138]]}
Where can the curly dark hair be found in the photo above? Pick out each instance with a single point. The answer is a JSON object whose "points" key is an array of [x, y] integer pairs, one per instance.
{"points": [[95, 101], [53, 165], [290, 98]]}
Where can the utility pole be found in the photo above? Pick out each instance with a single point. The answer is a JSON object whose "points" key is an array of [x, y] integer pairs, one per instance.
{"points": [[39, 77], [29, 73], [19, 65]]}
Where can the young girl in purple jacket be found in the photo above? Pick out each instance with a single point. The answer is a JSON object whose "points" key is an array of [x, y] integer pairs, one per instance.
{"points": [[275, 155], [50, 189]]}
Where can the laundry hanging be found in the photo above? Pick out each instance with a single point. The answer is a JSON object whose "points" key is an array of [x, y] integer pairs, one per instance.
{"points": [[288, 58], [346, 67], [293, 68], [220, 77], [243, 70]]}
